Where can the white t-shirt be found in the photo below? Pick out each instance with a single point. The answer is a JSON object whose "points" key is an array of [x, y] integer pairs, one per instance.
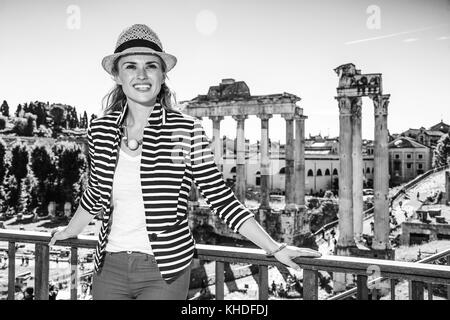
{"points": [[128, 229]]}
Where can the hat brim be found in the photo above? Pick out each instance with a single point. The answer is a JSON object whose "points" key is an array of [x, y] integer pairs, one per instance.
{"points": [[108, 61]]}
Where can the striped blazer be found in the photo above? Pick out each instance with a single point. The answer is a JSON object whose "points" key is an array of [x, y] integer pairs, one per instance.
{"points": [[175, 154]]}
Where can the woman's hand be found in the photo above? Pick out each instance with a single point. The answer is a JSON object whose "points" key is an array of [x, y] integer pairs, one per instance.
{"points": [[286, 255], [59, 234]]}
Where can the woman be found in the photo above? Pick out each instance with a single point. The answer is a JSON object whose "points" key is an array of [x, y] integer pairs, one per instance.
{"points": [[144, 158]]}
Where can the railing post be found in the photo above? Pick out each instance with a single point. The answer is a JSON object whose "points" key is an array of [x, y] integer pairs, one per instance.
{"points": [[430, 291], [220, 279], [263, 285], [392, 289], [374, 293], [310, 284], [416, 290], [11, 270], [41, 271], [362, 290], [73, 273], [448, 287]]}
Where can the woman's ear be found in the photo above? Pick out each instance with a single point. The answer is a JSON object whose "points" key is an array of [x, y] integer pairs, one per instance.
{"points": [[116, 79]]}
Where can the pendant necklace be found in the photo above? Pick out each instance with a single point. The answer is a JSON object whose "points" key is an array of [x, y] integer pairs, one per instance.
{"points": [[131, 144]]}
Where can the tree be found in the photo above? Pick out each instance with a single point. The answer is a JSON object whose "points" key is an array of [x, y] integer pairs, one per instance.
{"points": [[73, 123], [24, 126], [2, 122], [42, 163], [41, 115], [2, 160], [19, 126], [25, 108], [84, 120], [10, 195], [59, 117], [17, 171], [4, 109], [93, 116], [19, 111], [19, 161], [31, 124], [70, 165], [28, 199], [442, 151]]}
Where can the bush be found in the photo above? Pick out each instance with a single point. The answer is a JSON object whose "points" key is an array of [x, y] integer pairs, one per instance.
{"points": [[25, 126], [19, 126], [43, 131]]}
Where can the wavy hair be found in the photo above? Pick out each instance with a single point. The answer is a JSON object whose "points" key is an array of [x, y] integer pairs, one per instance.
{"points": [[116, 98]]}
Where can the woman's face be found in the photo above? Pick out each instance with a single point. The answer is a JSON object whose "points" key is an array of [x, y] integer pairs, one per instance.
{"points": [[141, 77]]}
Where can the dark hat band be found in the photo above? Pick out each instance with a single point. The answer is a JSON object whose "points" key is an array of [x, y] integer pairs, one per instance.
{"points": [[138, 43]]}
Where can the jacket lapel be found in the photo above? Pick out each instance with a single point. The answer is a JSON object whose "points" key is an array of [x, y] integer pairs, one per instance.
{"points": [[156, 118]]}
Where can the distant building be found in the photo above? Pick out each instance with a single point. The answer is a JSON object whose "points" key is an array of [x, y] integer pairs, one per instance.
{"points": [[321, 163], [441, 126], [407, 159], [428, 224], [428, 137]]}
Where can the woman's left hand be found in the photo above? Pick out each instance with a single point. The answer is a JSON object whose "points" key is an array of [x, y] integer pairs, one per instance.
{"points": [[289, 252]]}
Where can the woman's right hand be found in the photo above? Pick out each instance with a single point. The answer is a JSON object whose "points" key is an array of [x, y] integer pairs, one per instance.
{"points": [[59, 234]]}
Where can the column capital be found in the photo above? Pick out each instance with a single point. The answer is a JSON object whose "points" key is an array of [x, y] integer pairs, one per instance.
{"points": [[381, 103], [300, 117], [216, 118], [344, 104], [356, 107], [239, 117], [264, 116], [288, 116]]}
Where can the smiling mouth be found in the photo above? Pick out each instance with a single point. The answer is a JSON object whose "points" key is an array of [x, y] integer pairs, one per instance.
{"points": [[142, 87]]}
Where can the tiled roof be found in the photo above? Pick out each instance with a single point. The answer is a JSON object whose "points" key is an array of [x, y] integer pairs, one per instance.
{"points": [[405, 142]]}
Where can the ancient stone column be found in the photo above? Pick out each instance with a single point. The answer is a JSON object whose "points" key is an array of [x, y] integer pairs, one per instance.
{"points": [[217, 141], [265, 161], [289, 156], [381, 174], [346, 238], [447, 186], [240, 158], [299, 161], [357, 168]]}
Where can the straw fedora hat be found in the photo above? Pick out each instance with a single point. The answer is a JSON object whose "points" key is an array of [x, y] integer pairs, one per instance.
{"points": [[138, 38]]}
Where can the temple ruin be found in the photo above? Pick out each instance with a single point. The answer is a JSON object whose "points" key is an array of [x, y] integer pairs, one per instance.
{"points": [[352, 87], [233, 98]]}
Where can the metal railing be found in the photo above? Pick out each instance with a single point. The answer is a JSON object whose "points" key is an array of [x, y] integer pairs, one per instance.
{"points": [[367, 214], [417, 273], [415, 289]]}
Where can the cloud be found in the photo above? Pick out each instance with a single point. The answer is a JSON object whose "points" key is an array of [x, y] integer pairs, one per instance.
{"points": [[410, 40], [394, 34]]}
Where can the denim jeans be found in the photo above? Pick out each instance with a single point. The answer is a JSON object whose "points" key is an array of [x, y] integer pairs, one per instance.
{"points": [[129, 276]]}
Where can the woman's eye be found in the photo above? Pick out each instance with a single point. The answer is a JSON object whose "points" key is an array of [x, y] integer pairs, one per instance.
{"points": [[130, 66], [152, 66]]}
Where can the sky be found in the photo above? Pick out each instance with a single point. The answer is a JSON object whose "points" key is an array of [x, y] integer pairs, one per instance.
{"points": [[51, 51]]}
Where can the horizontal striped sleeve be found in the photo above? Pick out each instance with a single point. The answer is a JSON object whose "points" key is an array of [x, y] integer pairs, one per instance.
{"points": [[91, 195], [211, 184]]}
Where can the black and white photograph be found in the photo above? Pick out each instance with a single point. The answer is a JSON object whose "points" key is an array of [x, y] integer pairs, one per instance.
{"points": [[243, 151]]}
